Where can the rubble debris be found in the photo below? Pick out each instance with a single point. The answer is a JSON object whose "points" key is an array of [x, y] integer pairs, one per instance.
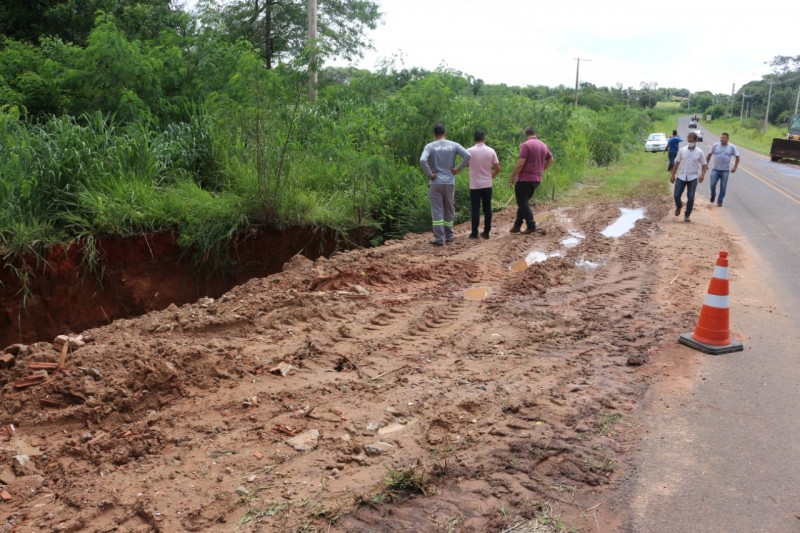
{"points": [[7, 360], [304, 442], [36, 378], [378, 448], [283, 369], [73, 342]]}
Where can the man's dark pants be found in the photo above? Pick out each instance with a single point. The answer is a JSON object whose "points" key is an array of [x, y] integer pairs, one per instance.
{"points": [[672, 156], [476, 197], [691, 187], [523, 192]]}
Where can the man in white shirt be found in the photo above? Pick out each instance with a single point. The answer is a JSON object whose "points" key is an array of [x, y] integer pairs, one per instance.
{"points": [[722, 151], [483, 168], [689, 170]]}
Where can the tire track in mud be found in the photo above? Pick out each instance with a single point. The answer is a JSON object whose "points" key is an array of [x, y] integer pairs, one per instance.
{"points": [[508, 395]]}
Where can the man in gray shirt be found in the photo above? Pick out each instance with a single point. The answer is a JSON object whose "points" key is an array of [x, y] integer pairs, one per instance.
{"points": [[722, 151], [438, 161]]}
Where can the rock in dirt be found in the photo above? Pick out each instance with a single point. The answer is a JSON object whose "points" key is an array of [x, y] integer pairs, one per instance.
{"points": [[304, 442], [297, 263], [23, 466], [378, 448], [638, 359]]}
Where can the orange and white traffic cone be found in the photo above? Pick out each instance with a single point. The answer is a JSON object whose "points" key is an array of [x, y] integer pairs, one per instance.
{"points": [[712, 334]]}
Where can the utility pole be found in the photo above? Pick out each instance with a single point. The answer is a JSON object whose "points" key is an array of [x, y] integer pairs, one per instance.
{"points": [[730, 100], [577, 74], [796, 102], [741, 115], [312, 40], [766, 116]]}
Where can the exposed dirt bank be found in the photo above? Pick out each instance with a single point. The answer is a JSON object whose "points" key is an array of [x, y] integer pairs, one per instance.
{"points": [[137, 275], [287, 403]]}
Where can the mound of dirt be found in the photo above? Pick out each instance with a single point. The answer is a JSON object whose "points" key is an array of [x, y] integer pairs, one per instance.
{"points": [[372, 391]]}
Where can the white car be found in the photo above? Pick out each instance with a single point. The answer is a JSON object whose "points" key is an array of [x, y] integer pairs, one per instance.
{"points": [[699, 135], [656, 142]]}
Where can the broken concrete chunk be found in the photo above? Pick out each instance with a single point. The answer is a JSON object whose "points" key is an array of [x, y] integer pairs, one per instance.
{"points": [[283, 369], [74, 342], [378, 448], [358, 289], [304, 442], [23, 466], [7, 360]]}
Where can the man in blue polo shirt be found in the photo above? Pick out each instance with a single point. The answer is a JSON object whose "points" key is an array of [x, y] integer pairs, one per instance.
{"points": [[672, 149]]}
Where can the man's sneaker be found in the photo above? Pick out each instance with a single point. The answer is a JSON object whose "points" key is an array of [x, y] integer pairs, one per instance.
{"points": [[473, 235], [529, 229], [719, 204], [451, 239], [485, 234], [678, 210], [514, 229], [437, 243], [713, 197], [686, 219]]}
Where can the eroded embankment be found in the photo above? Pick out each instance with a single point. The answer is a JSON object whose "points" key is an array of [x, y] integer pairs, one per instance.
{"points": [[135, 275]]}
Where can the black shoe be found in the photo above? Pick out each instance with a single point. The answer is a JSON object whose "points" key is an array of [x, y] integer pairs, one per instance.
{"points": [[719, 204], [473, 235], [485, 234], [514, 229], [713, 197], [529, 229], [451, 239], [678, 210], [437, 243], [686, 219]]}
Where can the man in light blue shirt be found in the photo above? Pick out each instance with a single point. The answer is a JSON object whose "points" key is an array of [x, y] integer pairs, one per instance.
{"points": [[722, 151], [438, 161]]}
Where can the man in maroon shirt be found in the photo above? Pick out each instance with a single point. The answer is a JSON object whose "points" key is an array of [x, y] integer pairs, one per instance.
{"points": [[534, 158]]}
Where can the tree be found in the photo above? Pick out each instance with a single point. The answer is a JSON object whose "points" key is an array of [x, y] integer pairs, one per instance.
{"points": [[73, 20], [278, 28]]}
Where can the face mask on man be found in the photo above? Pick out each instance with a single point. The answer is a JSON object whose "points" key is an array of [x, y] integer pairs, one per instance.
{"points": [[692, 145]]}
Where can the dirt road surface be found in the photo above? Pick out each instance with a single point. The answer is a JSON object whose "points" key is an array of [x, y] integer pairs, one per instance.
{"points": [[400, 388]]}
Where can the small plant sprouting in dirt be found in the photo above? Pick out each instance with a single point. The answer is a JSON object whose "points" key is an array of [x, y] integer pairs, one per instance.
{"points": [[607, 422], [546, 520], [401, 483], [407, 480]]}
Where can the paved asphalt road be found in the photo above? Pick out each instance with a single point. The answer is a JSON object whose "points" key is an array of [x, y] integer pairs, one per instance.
{"points": [[722, 452]]}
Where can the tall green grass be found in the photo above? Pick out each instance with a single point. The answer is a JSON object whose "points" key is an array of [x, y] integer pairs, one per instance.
{"points": [[258, 152]]}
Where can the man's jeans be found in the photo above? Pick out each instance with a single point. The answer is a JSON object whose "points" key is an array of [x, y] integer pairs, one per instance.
{"points": [[691, 187], [671, 156], [720, 176]]}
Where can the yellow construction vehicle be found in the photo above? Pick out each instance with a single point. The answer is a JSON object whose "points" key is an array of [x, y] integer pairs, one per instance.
{"points": [[790, 146]]}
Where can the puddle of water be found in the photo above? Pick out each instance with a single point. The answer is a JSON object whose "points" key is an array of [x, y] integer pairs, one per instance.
{"points": [[532, 258], [562, 218], [583, 263], [476, 293], [624, 223]]}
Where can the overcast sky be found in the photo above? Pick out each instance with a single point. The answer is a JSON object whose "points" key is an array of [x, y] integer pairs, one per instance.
{"points": [[698, 45]]}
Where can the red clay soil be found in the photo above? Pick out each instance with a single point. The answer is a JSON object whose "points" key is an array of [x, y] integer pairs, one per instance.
{"points": [[368, 392], [138, 274]]}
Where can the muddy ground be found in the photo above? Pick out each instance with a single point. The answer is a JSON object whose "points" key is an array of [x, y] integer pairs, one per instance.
{"points": [[372, 391]]}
